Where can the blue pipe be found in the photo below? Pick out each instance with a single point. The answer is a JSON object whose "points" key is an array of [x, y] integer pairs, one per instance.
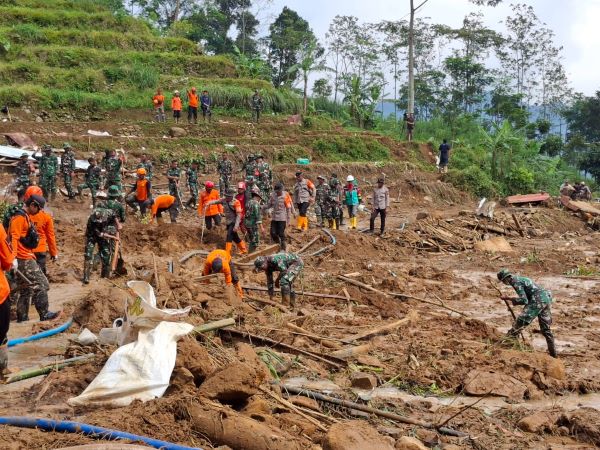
{"points": [[92, 431], [42, 335]]}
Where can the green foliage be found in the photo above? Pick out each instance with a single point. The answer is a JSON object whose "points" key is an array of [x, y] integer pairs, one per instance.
{"points": [[552, 145], [520, 180], [582, 271], [351, 148], [475, 180]]}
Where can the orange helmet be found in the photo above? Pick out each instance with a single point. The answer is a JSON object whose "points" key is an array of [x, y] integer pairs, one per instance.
{"points": [[33, 190], [241, 185], [141, 171]]}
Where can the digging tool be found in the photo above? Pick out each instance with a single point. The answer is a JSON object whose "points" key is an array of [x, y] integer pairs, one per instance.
{"points": [[203, 225], [178, 196], [512, 312], [22, 275]]}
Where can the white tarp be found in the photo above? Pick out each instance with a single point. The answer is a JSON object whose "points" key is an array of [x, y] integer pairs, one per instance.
{"points": [[141, 369], [15, 153]]}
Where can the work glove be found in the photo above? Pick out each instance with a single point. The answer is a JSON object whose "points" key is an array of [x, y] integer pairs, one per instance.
{"points": [[15, 264]]}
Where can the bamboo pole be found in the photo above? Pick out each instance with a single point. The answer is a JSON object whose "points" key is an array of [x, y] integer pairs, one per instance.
{"points": [[43, 370]]}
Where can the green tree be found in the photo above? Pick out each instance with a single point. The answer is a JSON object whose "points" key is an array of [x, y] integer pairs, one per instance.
{"points": [[310, 62], [288, 35], [165, 12], [322, 88], [583, 117]]}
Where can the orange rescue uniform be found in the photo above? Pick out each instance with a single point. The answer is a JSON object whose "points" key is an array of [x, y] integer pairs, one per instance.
{"points": [[45, 227], [141, 190], [17, 229], [160, 100], [162, 202], [176, 104], [192, 99], [206, 197], [225, 257], [6, 259]]}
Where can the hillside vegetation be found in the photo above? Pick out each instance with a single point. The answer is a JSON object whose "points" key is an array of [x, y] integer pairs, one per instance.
{"points": [[77, 54]]}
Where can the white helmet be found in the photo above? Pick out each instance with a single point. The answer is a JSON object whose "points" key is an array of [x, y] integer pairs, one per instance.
{"points": [[350, 178]]}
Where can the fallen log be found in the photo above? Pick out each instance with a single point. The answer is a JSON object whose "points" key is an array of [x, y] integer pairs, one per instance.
{"points": [[311, 242], [518, 225], [264, 251], [212, 326], [302, 332], [410, 317], [43, 370], [268, 302], [307, 294], [351, 352], [368, 409], [224, 426], [362, 285], [332, 361], [422, 300], [206, 277]]}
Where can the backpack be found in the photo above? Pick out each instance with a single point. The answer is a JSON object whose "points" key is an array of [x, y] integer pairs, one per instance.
{"points": [[32, 239]]}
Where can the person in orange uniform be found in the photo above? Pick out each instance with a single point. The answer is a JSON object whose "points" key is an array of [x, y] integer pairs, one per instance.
{"points": [[211, 214], [164, 203], [159, 106], [6, 262], [140, 196], [31, 190], [44, 224], [30, 278], [219, 261], [176, 106], [193, 100], [233, 219]]}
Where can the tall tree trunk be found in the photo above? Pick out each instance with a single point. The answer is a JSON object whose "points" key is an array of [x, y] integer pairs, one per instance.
{"points": [[411, 60], [305, 92]]}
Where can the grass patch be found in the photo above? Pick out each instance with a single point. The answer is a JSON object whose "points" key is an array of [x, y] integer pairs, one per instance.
{"points": [[582, 271], [350, 148], [474, 180], [88, 6]]}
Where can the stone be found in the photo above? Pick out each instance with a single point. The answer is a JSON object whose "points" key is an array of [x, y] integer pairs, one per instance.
{"points": [[177, 132], [355, 435], [537, 422], [305, 402], [409, 443], [362, 380], [38, 119], [429, 437], [422, 215], [481, 382]]}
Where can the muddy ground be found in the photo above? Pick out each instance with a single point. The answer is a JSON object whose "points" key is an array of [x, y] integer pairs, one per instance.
{"points": [[447, 356]]}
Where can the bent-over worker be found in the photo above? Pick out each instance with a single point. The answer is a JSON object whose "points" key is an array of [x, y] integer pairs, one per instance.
{"points": [[219, 261], [289, 266], [164, 203]]}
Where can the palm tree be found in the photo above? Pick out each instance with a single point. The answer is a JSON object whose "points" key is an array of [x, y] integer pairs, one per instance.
{"points": [[309, 62]]}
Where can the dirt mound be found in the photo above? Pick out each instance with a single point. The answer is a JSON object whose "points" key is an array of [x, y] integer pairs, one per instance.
{"points": [[99, 308], [355, 435], [168, 239]]}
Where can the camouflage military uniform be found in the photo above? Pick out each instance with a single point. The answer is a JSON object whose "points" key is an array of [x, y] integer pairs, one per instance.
{"points": [[173, 185], [67, 167], [48, 165], [113, 173], [321, 202], [92, 182], [289, 266], [191, 176], [37, 290], [336, 213], [100, 221], [250, 166], [252, 220], [148, 166], [225, 169], [22, 173], [257, 106], [265, 179], [537, 304]]}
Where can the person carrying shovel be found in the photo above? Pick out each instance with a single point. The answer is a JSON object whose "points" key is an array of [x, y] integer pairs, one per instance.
{"points": [[537, 304]]}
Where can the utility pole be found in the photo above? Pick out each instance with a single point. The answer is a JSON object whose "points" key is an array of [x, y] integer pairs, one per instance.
{"points": [[411, 60]]}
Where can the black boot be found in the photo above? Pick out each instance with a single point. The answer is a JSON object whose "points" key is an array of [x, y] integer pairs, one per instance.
{"points": [[293, 299], [105, 273], [551, 346], [87, 268]]}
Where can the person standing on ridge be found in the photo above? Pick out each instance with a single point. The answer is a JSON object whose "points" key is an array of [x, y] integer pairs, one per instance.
{"points": [[192, 105], [257, 105], [159, 106], [176, 106], [206, 104], [444, 157]]}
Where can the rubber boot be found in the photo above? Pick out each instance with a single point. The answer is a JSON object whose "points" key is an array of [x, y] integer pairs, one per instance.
{"points": [[228, 246], [87, 268], [3, 358], [299, 223], [354, 220], [551, 347], [105, 273], [293, 299], [50, 315], [285, 298], [305, 223], [282, 245], [242, 250]]}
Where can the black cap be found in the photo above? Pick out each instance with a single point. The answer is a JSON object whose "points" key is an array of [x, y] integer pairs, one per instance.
{"points": [[41, 201], [278, 186], [217, 265], [298, 173]]}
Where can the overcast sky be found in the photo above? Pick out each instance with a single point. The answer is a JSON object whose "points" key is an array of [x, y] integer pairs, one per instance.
{"points": [[575, 22]]}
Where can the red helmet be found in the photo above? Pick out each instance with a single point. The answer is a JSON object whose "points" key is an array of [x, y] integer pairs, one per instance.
{"points": [[33, 190], [209, 185], [241, 185]]}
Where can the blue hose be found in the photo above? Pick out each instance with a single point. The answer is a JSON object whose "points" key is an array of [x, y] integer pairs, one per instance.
{"points": [[87, 430], [42, 335]]}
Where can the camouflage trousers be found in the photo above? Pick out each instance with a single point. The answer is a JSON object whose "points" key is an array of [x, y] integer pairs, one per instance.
{"points": [[193, 194], [174, 191], [224, 183], [289, 276], [104, 251], [92, 187], [530, 312], [37, 291], [253, 237], [68, 184], [48, 185], [321, 210]]}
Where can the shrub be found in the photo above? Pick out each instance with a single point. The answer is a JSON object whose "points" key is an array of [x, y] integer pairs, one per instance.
{"points": [[350, 148], [519, 180], [475, 180]]}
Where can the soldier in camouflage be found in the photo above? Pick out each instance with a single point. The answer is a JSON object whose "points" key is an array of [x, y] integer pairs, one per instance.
{"points": [[337, 191], [257, 105], [113, 171], [23, 171], [100, 224], [67, 168], [537, 304], [173, 175], [225, 169], [191, 176], [265, 176], [253, 220], [321, 200], [145, 163], [289, 266], [48, 166], [104, 166], [250, 166], [92, 180], [114, 204], [333, 208]]}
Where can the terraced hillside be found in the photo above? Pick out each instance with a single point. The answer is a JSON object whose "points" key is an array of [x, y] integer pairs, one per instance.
{"points": [[78, 54]]}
